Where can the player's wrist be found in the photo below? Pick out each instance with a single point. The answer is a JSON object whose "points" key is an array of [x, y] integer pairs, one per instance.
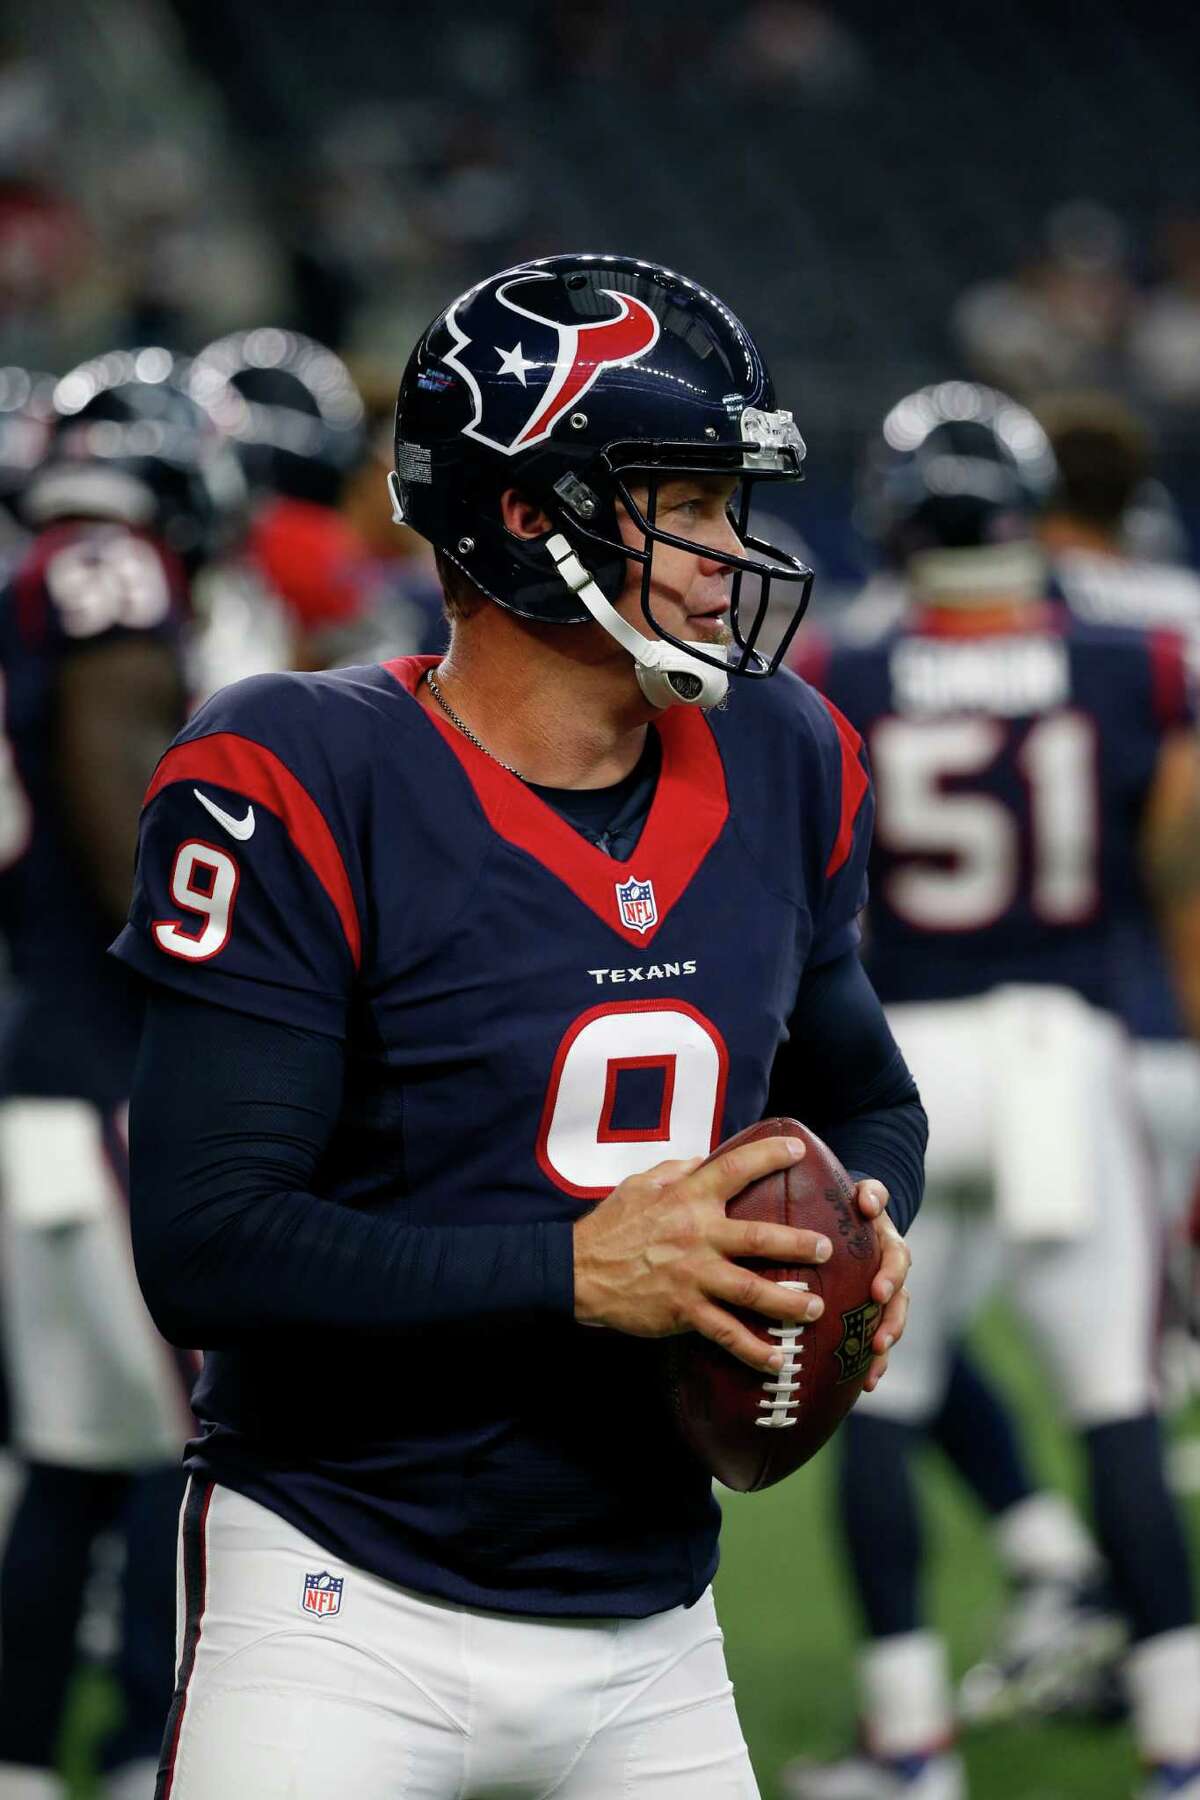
{"points": [[585, 1297]]}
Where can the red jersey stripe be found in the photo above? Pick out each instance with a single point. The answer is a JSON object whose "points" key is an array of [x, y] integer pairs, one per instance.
{"points": [[854, 788], [1168, 677]]}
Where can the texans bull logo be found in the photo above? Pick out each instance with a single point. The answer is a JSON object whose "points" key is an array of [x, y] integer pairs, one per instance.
{"points": [[575, 356]]}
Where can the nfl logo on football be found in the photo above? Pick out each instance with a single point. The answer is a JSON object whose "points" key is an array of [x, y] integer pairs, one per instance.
{"points": [[323, 1593], [635, 901]]}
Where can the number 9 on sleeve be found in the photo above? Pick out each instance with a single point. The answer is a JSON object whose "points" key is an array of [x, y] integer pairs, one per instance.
{"points": [[204, 882]]}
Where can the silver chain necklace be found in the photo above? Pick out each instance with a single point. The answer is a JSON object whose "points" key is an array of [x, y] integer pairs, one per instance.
{"points": [[470, 736]]}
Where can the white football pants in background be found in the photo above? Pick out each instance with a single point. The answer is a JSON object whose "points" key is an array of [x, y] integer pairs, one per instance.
{"points": [[94, 1386], [1037, 1180]]}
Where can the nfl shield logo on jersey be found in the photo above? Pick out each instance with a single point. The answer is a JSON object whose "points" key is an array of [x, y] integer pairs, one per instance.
{"points": [[323, 1593], [635, 900]]}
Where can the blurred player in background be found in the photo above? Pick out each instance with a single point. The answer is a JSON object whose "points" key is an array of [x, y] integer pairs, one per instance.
{"points": [[299, 594], [1057, 1645], [1104, 463], [1034, 773], [26, 417], [397, 914], [123, 508], [26, 414], [409, 610], [1105, 467]]}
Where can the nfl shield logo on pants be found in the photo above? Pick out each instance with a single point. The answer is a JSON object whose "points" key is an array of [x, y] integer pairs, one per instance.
{"points": [[323, 1593], [635, 901]]}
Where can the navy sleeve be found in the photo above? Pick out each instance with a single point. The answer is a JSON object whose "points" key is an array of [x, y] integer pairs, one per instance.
{"points": [[248, 891], [230, 1236], [842, 1073]]}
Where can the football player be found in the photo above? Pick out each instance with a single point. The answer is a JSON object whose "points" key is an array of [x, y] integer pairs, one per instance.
{"points": [[1032, 772], [1104, 463], [121, 509], [1057, 1648], [26, 416], [1102, 454], [297, 424], [457, 970]]}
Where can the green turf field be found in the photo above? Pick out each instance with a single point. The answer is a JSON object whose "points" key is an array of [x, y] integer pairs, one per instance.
{"points": [[784, 1603], [788, 1627]]}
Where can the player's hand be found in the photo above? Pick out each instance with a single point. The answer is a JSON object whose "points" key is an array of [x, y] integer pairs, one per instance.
{"points": [[657, 1256], [888, 1286]]}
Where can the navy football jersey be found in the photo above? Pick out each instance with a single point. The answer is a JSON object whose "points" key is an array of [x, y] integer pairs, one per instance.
{"points": [[73, 1030], [1011, 771], [526, 1022], [1158, 596]]}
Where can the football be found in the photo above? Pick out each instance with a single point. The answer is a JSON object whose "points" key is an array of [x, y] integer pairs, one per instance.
{"points": [[750, 1429]]}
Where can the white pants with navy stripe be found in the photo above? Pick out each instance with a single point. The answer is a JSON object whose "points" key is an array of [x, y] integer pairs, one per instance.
{"points": [[378, 1693], [1037, 1180]]}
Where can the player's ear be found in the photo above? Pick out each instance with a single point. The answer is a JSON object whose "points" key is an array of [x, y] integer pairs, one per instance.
{"points": [[522, 516]]}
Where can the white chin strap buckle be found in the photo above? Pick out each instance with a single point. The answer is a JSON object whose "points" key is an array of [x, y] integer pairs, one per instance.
{"points": [[666, 675]]}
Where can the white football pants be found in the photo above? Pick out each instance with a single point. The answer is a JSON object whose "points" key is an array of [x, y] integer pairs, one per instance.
{"points": [[1167, 1078], [388, 1695], [94, 1386], [1037, 1179]]}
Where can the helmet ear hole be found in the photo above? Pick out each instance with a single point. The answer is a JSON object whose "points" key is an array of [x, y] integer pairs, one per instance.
{"points": [[521, 516]]}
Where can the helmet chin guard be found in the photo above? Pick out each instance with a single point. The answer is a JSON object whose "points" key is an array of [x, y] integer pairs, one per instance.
{"points": [[667, 675]]}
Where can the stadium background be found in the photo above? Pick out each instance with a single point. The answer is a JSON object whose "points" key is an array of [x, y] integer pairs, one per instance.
{"points": [[887, 195]]}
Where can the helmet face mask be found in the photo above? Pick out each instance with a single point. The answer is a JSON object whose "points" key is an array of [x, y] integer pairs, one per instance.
{"points": [[581, 381], [769, 565]]}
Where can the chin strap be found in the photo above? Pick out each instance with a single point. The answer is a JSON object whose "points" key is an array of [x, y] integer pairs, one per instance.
{"points": [[666, 675]]}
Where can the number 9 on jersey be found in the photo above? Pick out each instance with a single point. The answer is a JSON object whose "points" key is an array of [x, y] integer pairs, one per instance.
{"points": [[204, 882]]}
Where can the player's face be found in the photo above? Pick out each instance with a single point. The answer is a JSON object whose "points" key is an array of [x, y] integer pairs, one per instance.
{"points": [[689, 592]]}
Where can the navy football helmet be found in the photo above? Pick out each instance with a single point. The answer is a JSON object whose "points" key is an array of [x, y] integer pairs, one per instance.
{"points": [[129, 443], [957, 468], [290, 406], [576, 380]]}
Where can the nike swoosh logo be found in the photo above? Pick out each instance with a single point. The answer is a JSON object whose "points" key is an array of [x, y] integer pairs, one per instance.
{"points": [[237, 828]]}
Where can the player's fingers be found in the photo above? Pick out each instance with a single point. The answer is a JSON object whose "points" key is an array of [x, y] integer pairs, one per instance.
{"points": [[892, 1321], [665, 1174], [890, 1325], [711, 1322], [871, 1198], [878, 1369], [895, 1260], [771, 1243], [726, 1175], [786, 1301]]}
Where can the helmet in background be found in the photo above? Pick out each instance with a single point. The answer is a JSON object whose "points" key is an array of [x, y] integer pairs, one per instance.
{"points": [[958, 470], [129, 443], [290, 407]]}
